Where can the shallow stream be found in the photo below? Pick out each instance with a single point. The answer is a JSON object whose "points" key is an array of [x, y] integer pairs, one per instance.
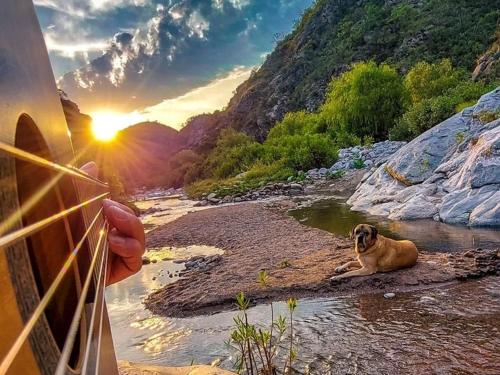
{"points": [[447, 330]]}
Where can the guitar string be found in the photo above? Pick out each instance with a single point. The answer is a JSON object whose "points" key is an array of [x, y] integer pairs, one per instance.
{"points": [[25, 232], [98, 301], [75, 322], [39, 225], [16, 347], [17, 215], [35, 159], [99, 340]]}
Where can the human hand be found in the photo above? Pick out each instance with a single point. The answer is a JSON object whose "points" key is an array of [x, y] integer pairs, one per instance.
{"points": [[126, 237]]}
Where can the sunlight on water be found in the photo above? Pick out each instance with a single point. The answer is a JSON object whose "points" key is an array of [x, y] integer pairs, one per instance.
{"points": [[169, 252], [137, 333], [164, 210]]}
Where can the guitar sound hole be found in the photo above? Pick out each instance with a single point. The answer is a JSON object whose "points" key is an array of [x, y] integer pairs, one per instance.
{"points": [[49, 248]]}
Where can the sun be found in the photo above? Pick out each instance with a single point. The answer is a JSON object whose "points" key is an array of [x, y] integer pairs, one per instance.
{"points": [[106, 124]]}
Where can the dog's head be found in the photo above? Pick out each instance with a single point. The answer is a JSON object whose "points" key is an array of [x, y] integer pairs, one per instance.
{"points": [[364, 236]]}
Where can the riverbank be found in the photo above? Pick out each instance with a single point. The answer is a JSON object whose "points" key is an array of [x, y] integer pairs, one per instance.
{"points": [[300, 260]]}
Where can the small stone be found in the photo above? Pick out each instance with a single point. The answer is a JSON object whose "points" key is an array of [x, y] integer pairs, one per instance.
{"points": [[494, 293], [389, 295], [469, 254], [154, 278], [146, 260], [154, 260], [211, 196], [427, 300], [296, 186]]}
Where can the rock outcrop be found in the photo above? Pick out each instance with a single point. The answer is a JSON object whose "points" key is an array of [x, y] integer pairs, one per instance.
{"points": [[450, 173], [358, 157], [488, 65]]}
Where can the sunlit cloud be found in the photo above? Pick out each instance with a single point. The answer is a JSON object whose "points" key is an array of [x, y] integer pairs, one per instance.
{"points": [[87, 8], [70, 50], [206, 99], [127, 55]]}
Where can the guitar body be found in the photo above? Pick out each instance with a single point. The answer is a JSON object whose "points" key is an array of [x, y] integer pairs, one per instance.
{"points": [[32, 120]]}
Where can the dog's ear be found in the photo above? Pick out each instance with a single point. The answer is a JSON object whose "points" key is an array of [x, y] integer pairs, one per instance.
{"points": [[351, 233], [374, 231]]}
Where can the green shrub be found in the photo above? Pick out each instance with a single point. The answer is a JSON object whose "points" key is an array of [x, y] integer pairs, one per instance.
{"points": [[429, 112], [301, 152], [295, 123], [364, 101], [276, 171], [426, 81], [234, 153]]}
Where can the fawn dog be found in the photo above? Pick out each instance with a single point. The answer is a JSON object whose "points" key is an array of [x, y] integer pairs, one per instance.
{"points": [[376, 253]]}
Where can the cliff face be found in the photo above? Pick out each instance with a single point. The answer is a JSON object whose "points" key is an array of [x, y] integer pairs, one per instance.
{"points": [[488, 65]]}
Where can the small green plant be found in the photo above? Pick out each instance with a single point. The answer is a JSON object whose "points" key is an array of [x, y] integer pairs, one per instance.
{"points": [[368, 141], [358, 163], [258, 348], [300, 176], [335, 175], [488, 116], [292, 304], [425, 165], [459, 137], [285, 264]]}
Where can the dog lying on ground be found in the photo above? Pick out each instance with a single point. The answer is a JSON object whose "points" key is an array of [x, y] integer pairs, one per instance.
{"points": [[376, 253]]}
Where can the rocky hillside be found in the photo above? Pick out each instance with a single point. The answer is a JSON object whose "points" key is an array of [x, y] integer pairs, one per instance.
{"points": [[141, 152], [329, 37], [333, 34], [450, 173]]}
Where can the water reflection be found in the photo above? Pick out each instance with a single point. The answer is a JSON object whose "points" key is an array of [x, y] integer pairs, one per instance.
{"points": [[336, 217], [446, 330]]}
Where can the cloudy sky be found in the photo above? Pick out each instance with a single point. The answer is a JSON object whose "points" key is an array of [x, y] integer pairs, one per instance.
{"points": [[162, 60]]}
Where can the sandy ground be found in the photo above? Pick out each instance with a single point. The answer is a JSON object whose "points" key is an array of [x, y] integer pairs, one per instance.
{"points": [[300, 260]]}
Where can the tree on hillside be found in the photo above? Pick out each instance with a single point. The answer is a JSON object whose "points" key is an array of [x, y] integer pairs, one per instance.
{"points": [[364, 101], [425, 80]]}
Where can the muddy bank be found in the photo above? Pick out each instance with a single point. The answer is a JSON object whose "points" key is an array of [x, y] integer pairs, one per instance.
{"points": [[299, 260]]}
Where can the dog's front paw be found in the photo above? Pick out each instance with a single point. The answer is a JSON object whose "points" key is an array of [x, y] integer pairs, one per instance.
{"points": [[335, 279], [339, 269]]}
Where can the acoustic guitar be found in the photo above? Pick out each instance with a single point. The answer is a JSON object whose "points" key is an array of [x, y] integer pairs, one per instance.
{"points": [[53, 248]]}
